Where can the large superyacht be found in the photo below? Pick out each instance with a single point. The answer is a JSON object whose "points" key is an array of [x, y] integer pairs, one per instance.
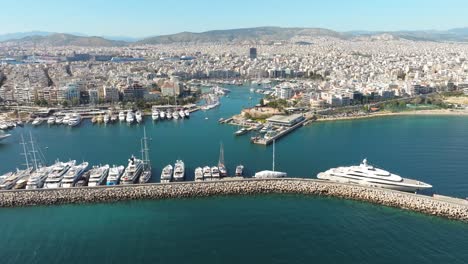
{"points": [[368, 175], [166, 174], [114, 175], [98, 175], [133, 171], [56, 175], [73, 175], [179, 171]]}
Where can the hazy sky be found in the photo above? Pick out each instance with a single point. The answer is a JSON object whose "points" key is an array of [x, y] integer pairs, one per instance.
{"points": [[139, 18]]}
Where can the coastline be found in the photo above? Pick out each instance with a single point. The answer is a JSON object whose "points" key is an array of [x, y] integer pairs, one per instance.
{"points": [[439, 112], [447, 207]]}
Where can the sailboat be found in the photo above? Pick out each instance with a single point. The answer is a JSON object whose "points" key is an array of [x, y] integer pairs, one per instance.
{"points": [[221, 166], [271, 174], [146, 174]]}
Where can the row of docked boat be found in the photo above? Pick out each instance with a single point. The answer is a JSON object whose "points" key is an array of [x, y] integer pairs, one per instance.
{"points": [[131, 117], [107, 118], [72, 120], [159, 114]]}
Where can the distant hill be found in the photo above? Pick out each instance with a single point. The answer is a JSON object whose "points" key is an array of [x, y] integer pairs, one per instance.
{"points": [[19, 35], [59, 39], [260, 34], [458, 35]]}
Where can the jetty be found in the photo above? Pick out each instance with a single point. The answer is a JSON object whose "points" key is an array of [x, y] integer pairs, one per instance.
{"points": [[442, 206]]}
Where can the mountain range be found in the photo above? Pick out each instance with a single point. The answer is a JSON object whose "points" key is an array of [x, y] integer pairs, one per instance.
{"points": [[245, 35]]}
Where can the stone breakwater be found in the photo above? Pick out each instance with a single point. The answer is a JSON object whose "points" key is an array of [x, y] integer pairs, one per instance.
{"points": [[419, 203]]}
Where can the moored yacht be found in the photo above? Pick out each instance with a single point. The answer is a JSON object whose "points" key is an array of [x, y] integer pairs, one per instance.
{"points": [[207, 173], [121, 116], [38, 177], [51, 120], [56, 175], [240, 170], [37, 121], [162, 115], [130, 117], [179, 171], [98, 175], [187, 113], [181, 113], [114, 175], [166, 174], [139, 116], [175, 115], [133, 171], [199, 174], [66, 119], [368, 175], [106, 118], [215, 172], [73, 175], [155, 115], [75, 120]]}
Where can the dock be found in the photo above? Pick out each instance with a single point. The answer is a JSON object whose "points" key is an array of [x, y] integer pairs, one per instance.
{"points": [[268, 141]]}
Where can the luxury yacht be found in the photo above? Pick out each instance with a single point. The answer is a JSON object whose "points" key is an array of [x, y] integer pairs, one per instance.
{"points": [[168, 114], [58, 120], [199, 174], [215, 172], [187, 113], [51, 120], [98, 175], [162, 115], [121, 116], [181, 113], [38, 177], [145, 175], [240, 170], [179, 171], [106, 118], [130, 117], [133, 171], [368, 175], [56, 175], [73, 175], [206, 172], [66, 119], [75, 119], [166, 174], [37, 121], [83, 181], [155, 115], [270, 174], [139, 116], [13, 178], [114, 175], [175, 115]]}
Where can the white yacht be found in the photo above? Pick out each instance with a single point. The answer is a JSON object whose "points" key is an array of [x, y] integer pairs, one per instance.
{"points": [[199, 174], [139, 116], [51, 120], [215, 172], [166, 174], [58, 120], [56, 175], [270, 174], [38, 177], [106, 118], [75, 120], [130, 117], [175, 115], [187, 113], [121, 116], [162, 115], [73, 175], [155, 115], [182, 114], [240, 170], [66, 119], [37, 121], [114, 175], [133, 171], [168, 114], [179, 171], [207, 173], [98, 175], [368, 175]]}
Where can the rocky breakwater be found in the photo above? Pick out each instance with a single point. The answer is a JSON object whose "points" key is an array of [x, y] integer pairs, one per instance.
{"points": [[418, 203]]}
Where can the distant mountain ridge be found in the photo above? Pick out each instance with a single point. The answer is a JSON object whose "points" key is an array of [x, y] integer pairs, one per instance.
{"points": [[243, 35]]}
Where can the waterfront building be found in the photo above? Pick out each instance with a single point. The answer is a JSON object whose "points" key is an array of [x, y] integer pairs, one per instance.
{"points": [[111, 94], [283, 120]]}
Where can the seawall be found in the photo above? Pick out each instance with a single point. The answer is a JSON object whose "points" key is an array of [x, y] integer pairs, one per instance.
{"points": [[453, 209]]}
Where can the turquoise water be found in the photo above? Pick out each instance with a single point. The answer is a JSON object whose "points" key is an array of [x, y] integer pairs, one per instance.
{"points": [[262, 229]]}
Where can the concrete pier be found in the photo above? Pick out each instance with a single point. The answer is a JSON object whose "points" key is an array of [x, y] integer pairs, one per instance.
{"points": [[437, 206], [264, 141]]}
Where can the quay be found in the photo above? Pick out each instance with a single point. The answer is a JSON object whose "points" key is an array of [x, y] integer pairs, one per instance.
{"points": [[441, 206], [286, 130]]}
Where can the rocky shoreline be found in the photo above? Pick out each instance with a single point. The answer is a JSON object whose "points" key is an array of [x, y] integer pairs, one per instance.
{"points": [[456, 209]]}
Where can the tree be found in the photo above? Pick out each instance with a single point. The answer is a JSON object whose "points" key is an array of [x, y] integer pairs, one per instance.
{"points": [[262, 102], [75, 101], [65, 103]]}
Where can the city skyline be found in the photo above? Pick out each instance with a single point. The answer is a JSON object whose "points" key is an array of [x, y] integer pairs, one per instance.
{"points": [[146, 18]]}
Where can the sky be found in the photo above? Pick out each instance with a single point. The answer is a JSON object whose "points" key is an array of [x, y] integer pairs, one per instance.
{"points": [[140, 18]]}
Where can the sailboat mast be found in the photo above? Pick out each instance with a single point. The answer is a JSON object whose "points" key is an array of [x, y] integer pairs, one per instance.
{"points": [[146, 148], [274, 155], [33, 151], [221, 155], [24, 151]]}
